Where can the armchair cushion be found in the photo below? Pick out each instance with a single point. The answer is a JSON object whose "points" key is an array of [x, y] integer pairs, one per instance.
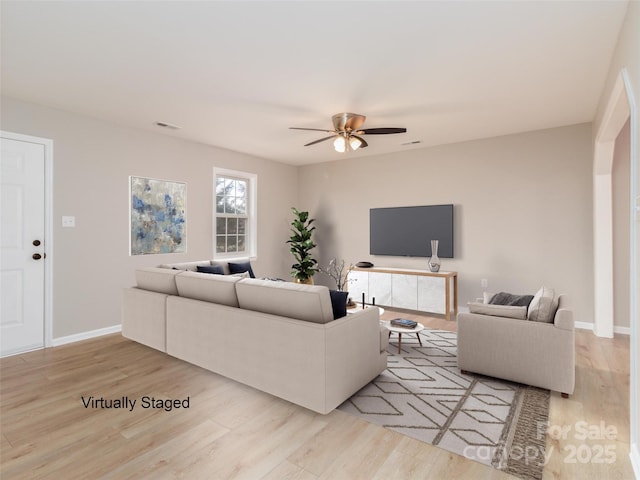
{"points": [[509, 311]]}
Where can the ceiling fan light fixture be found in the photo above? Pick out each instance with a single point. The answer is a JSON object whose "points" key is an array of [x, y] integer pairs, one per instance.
{"points": [[347, 131], [354, 143]]}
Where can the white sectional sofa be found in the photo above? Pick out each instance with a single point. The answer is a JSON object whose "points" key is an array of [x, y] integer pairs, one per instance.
{"points": [[278, 337]]}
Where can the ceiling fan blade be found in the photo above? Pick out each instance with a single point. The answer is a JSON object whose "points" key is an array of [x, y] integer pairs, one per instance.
{"points": [[319, 140], [363, 143], [381, 131], [311, 129]]}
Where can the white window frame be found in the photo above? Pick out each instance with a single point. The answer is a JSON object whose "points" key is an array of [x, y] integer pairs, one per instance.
{"points": [[251, 240]]}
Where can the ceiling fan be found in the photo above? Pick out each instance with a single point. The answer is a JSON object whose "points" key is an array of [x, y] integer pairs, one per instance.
{"points": [[347, 132]]}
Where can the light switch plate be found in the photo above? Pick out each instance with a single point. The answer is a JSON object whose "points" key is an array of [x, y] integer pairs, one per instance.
{"points": [[68, 221]]}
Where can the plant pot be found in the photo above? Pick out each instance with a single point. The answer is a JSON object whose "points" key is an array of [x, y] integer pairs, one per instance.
{"points": [[306, 281]]}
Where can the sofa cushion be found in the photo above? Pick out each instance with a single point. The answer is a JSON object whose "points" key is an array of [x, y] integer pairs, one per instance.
{"points": [[159, 280], [338, 303], [241, 275], [190, 266], [241, 267], [213, 269], [509, 311], [543, 306], [304, 302], [219, 289]]}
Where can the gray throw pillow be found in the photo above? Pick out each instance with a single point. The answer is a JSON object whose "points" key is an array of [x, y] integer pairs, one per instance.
{"points": [[504, 298]]}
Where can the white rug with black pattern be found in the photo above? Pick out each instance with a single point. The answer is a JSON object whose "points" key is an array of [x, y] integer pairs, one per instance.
{"points": [[423, 394]]}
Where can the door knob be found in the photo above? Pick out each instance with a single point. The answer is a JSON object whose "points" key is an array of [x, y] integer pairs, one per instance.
{"points": [[36, 256], [36, 243]]}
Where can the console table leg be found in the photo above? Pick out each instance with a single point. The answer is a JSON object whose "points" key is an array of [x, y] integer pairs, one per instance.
{"points": [[399, 342], [447, 299], [419, 340], [455, 296]]}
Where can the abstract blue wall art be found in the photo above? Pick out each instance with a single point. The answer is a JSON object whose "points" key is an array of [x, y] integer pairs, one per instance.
{"points": [[158, 216]]}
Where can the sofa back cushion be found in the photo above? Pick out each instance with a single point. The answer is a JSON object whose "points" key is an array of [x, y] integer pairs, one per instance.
{"points": [[193, 266], [208, 288], [189, 266], [161, 280], [304, 302]]}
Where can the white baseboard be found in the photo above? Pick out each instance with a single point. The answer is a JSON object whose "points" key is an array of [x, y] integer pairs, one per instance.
{"points": [[584, 325], [56, 342], [622, 330], [589, 326], [634, 455]]}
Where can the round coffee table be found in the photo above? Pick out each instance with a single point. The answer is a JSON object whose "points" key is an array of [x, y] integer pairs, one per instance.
{"points": [[400, 330]]}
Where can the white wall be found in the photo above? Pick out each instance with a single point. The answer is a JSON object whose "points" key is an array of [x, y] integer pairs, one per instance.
{"points": [[523, 209], [92, 164], [627, 56], [620, 179]]}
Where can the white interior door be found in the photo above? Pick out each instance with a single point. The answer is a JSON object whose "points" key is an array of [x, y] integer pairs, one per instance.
{"points": [[22, 276]]}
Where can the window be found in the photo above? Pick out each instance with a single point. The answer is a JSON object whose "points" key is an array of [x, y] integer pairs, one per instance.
{"points": [[235, 213]]}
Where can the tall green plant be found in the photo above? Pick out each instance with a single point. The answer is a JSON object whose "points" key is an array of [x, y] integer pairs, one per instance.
{"points": [[301, 245]]}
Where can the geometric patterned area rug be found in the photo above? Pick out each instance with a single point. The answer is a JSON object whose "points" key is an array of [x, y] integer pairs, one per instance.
{"points": [[423, 394]]}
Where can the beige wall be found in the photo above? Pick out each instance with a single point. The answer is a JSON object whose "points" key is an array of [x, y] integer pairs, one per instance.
{"points": [[620, 179], [523, 209], [92, 164]]}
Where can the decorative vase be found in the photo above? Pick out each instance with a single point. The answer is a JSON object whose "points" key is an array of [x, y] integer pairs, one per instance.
{"points": [[306, 281], [434, 261]]}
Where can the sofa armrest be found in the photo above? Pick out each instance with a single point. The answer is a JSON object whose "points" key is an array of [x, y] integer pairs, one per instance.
{"points": [[144, 317], [564, 319], [353, 357], [564, 316]]}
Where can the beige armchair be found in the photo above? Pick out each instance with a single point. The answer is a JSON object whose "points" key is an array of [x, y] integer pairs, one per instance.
{"points": [[530, 352]]}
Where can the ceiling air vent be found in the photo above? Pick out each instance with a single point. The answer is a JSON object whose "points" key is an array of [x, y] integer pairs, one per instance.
{"points": [[167, 125]]}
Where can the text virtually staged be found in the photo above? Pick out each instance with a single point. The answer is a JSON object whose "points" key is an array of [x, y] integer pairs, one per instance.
{"points": [[126, 403]]}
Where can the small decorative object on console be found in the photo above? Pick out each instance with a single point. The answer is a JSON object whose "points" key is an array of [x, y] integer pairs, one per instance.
{"points": [[434, 261], [403, 323], [364, 265]]}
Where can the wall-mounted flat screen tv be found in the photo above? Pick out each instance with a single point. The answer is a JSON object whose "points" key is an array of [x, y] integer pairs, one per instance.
{"points": [[408, 231]]}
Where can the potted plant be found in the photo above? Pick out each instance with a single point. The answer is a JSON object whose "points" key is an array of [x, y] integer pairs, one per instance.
{"points": [[301, 245]]}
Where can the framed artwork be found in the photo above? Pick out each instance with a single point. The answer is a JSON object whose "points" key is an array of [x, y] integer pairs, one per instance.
{"points": [[158, 216]]}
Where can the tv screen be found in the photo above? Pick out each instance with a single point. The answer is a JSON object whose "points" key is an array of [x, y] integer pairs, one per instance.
{"points": [[408, 231]]}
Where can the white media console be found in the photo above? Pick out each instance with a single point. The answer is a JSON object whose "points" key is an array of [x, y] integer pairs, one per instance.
{"points": [[421, 290]]}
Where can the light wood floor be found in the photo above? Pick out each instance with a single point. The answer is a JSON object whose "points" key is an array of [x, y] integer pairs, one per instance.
{"points": [[233, 431]]}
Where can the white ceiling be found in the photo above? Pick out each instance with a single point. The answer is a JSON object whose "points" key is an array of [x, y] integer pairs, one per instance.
{"points": [[238, 74]]}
